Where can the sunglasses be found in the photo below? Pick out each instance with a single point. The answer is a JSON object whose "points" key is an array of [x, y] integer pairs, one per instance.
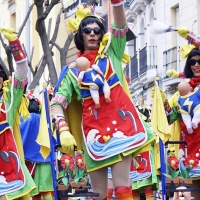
{"points": [[193, 61], [88, 30]]}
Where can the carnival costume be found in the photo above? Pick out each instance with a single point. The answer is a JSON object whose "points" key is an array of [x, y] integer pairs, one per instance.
{"points": [[178, 128], [113, 130], [15, 178]]}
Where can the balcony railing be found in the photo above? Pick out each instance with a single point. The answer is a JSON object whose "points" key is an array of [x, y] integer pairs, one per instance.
{"points": [[11, 3], [171, 60], [134, 67], [143, 60], [147, 60]]}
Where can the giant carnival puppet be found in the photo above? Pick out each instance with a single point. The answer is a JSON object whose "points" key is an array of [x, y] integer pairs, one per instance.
{"points": [[113, 132], [15, 180], [188, 100]]}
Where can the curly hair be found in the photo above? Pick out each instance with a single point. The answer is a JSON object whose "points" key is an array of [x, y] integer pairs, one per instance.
{"points": [[187, 69], [78, 38]]}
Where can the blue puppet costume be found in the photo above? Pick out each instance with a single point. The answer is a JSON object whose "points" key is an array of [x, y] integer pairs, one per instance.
{"points": [[114, 131]]}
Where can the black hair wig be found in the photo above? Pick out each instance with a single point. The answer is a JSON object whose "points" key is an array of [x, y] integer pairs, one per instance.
{"points": [[78, 38], [33, 106], [187, 69], [3, 73]]}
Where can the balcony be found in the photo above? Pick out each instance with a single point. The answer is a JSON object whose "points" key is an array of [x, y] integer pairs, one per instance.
{"points": [[171, 60], [140, 63], [134, 68], [12, 6], [133, 8]]}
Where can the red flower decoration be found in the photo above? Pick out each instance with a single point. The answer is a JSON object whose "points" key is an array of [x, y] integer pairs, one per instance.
{"points": [[191, 161], [173, 162], [67, 159], [79, 161]]}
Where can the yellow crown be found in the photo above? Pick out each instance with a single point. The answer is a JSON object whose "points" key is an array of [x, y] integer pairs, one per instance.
{"points": [[82, 12]]}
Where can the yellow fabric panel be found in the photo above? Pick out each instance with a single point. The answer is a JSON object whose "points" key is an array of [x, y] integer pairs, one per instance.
{"points": [[73, 115]]}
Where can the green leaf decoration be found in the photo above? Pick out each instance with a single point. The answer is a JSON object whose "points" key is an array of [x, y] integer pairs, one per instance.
{"points": [[80, 173], [76, 180], [61, 174], [175, 174], [73, 174], [65, 181], [167, 175], [184, 173]]}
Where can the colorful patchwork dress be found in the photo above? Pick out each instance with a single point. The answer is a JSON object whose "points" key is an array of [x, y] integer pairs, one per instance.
{"points": [[113, 129], [15, 180]]}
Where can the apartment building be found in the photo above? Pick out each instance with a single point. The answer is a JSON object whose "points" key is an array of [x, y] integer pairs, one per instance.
{"points": [[155, 54]]}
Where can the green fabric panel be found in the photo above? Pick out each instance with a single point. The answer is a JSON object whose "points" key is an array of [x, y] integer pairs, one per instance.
{"points": [[42, 179], [17, 96], [68, 87], [116, 51], [30, 185]]}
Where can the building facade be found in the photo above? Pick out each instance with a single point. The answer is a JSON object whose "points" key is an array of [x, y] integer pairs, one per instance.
{"points": [[155, 54]]}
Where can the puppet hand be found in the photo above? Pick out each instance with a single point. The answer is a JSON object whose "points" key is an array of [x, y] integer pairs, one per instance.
{"points": [[194, 124], [67, 142], [9, 34], [15, 44], [172, 73], [161, 92], [183, 32], [190, 130]]}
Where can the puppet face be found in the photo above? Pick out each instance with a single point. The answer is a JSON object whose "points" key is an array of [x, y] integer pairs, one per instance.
{"points": [[91, 37], [195, 67], [82, 63], [184, 88]]}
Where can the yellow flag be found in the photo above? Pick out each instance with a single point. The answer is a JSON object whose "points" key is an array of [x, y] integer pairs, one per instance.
{"points": [[159, 119], [159, 122], [43, 134]]}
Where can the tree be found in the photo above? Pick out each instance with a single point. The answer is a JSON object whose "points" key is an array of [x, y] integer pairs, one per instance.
{"points": [[41, 29]]}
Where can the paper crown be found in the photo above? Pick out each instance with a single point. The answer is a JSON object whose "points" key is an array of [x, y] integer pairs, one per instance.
{"points": [[82, 12]]}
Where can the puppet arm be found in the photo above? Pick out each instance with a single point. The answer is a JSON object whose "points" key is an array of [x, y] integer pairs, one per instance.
{"points": [[17, 51], [97, 69], [174, 74], [188, 122], [196, 118]]}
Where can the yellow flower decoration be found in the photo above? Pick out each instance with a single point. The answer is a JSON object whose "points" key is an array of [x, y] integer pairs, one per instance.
{"points": [[82, 12]]}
